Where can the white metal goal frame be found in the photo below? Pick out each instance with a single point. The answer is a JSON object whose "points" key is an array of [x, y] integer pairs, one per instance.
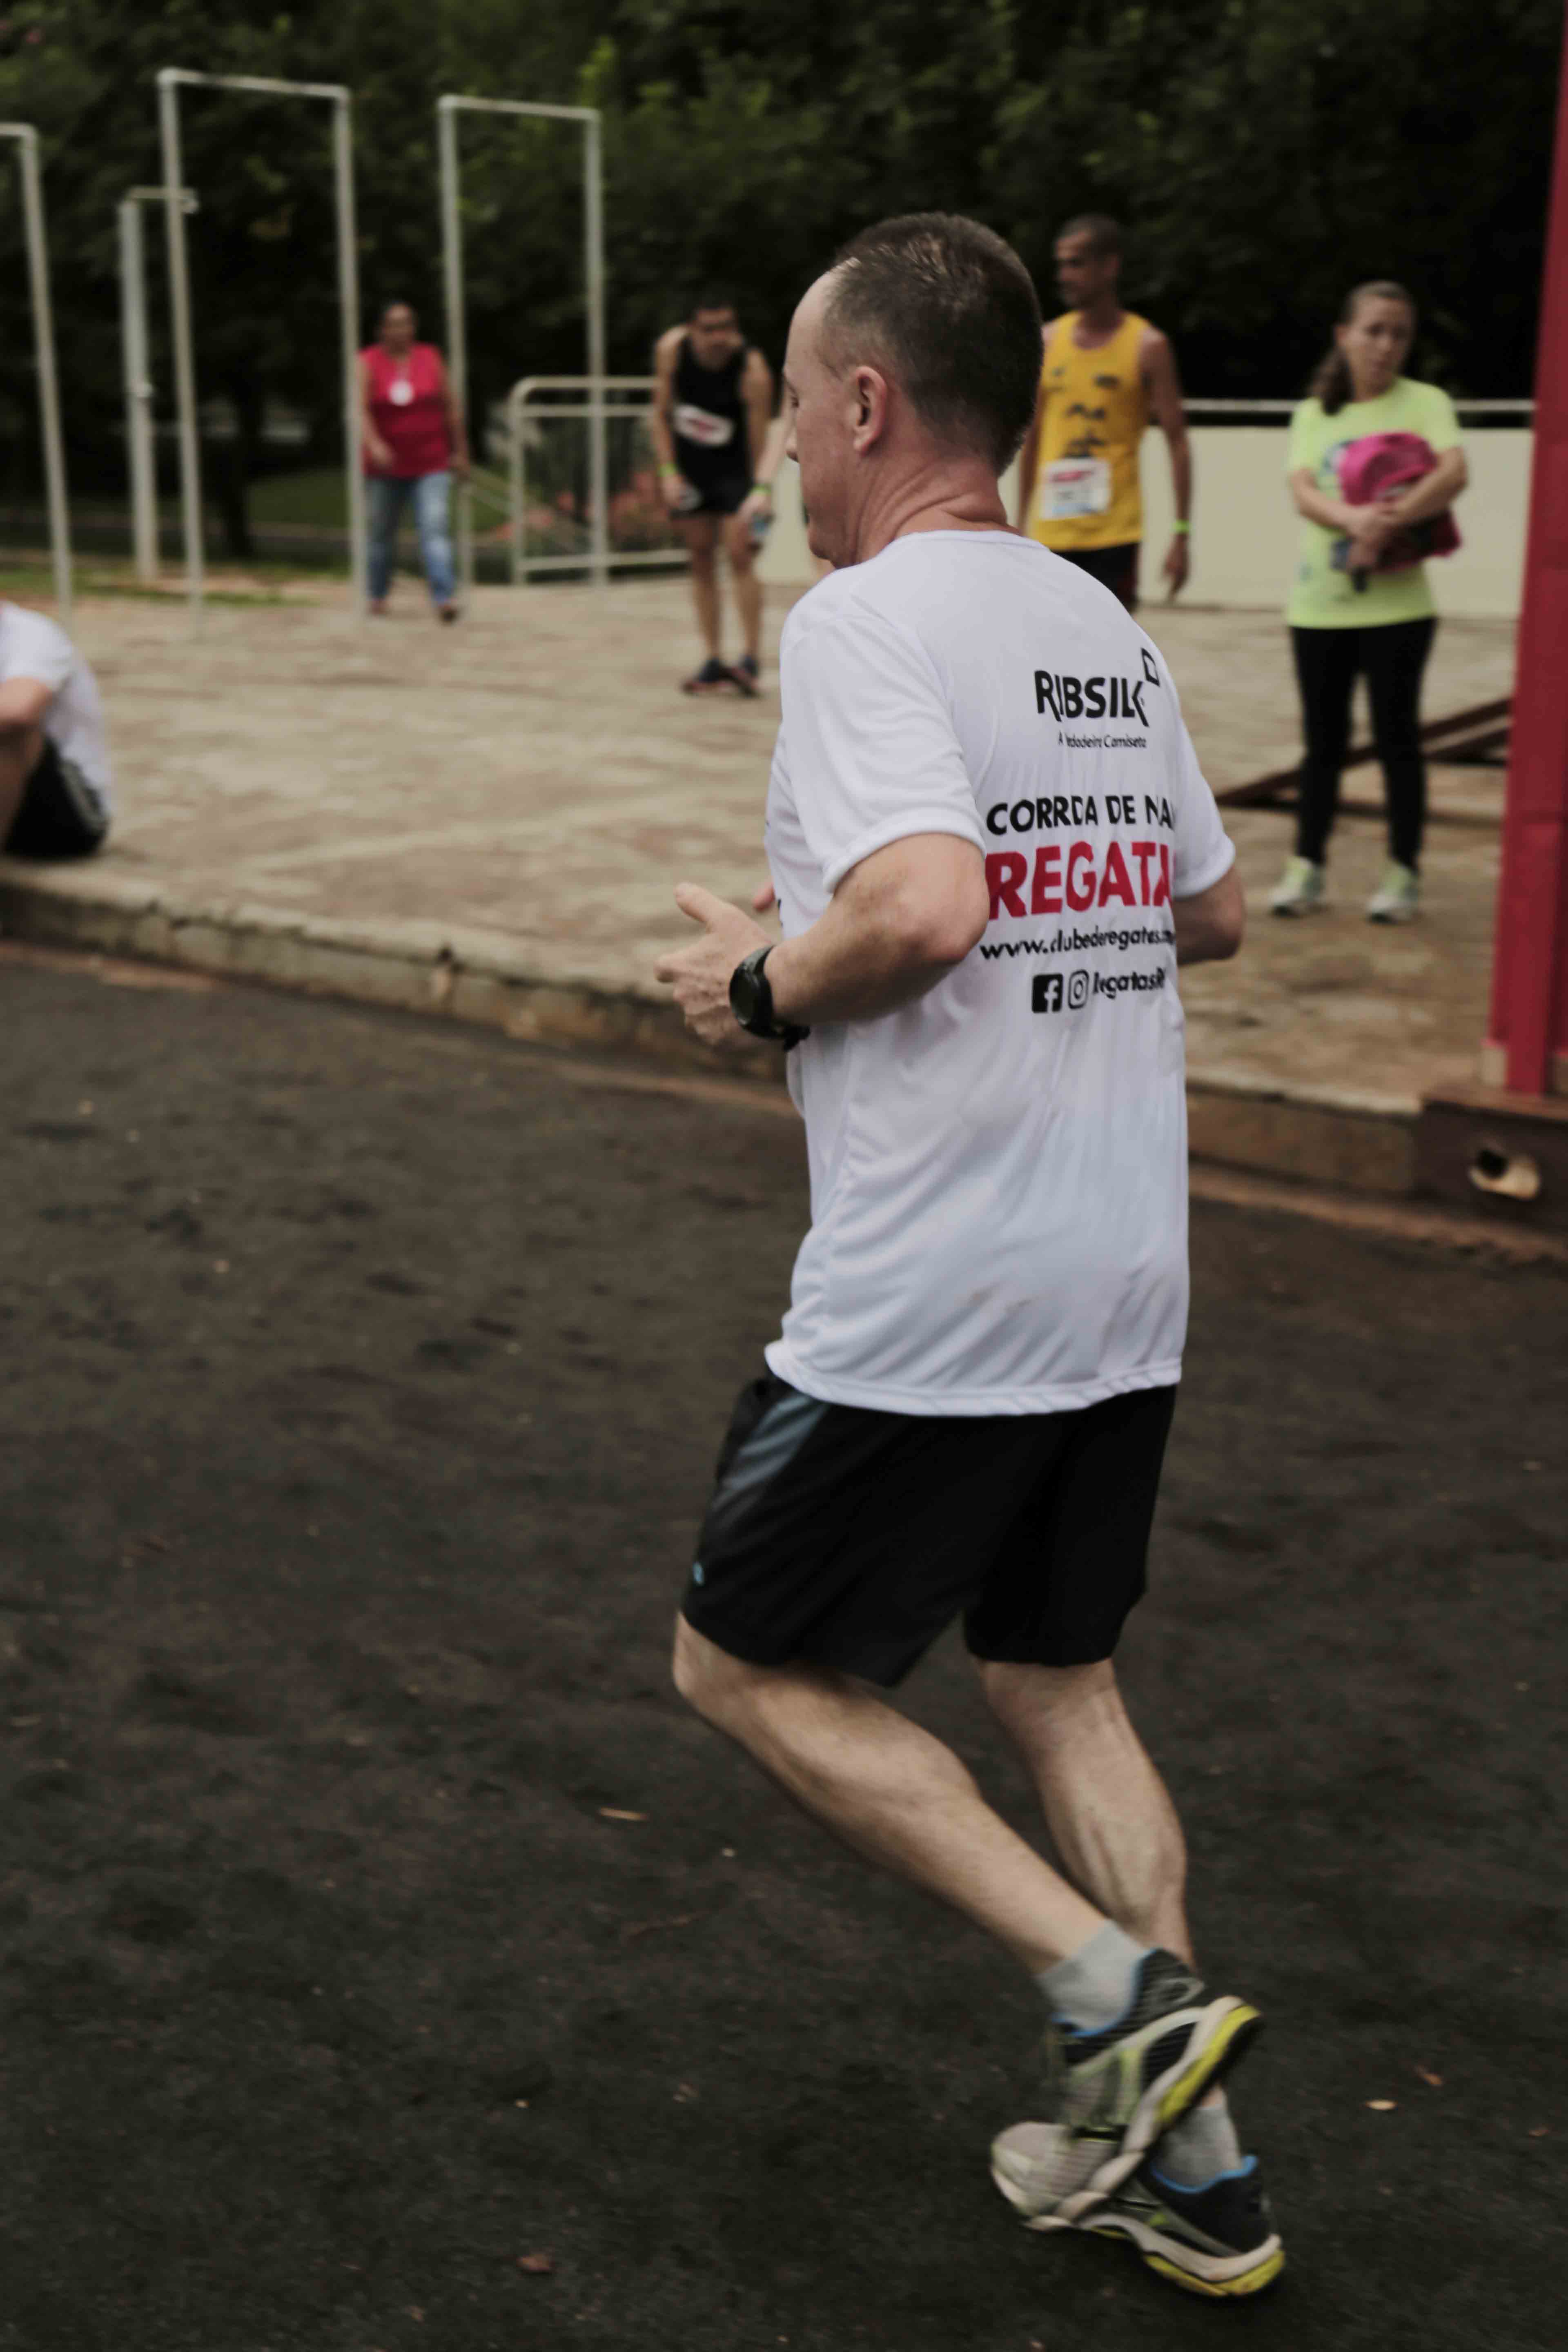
{"points": [[141, 462], [26, 139], [172, 79], [448, 110], [615, 399]]}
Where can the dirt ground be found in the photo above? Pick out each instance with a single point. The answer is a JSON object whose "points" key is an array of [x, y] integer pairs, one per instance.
{"points": [[371, 1914]]}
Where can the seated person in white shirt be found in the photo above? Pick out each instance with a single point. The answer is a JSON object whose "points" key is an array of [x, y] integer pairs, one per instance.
{"points": [[55, 782]]}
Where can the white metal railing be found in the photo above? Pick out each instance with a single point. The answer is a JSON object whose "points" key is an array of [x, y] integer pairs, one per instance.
{"points": [[618, 395], [171, 80], [1191, 403], [26, 139], [587, 119]]}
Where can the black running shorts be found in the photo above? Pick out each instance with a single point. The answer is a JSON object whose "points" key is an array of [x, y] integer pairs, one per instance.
{"points": [[851, 1539], [719, 494], [1115, 568], [61, 816]]}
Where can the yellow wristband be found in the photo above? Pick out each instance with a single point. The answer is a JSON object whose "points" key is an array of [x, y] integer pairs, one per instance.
{"points": [[1183, 529]]}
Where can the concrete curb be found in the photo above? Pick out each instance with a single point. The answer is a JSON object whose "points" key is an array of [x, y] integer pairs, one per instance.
{"points": [[451, 971], [1344, 1139]]}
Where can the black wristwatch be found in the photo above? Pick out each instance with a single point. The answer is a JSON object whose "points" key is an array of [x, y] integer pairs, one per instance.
{"points": [[751, 1002]]}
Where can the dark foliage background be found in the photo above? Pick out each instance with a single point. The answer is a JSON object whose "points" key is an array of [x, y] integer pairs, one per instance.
{"points": [[1264, 157]]}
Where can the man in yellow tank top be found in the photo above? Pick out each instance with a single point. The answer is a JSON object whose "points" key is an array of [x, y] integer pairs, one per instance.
{"points": [[1108, 374]]}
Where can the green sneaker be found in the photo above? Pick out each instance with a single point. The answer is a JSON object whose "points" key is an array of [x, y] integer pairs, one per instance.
{"points": [[1397, 897], [1298, 889]]}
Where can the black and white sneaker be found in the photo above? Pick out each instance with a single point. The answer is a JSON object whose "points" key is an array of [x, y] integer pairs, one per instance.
{"points": [[1114, 2091], [1219, 2240]]}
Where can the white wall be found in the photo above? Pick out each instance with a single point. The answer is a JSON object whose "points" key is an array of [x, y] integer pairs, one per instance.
{"points": [[1244, 534]]}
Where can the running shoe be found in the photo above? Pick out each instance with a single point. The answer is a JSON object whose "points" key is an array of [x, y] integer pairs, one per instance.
{"points": [[1119, 2089], [1298, 889], [1397, 897], [1219, 2240], [744, 674], [711, 678]]}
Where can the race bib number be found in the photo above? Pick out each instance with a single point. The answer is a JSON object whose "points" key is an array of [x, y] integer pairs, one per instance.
{"points": [[1070, 487], [702, 427]]}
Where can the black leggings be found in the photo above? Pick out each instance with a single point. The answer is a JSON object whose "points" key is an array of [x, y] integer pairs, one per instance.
{"points": [[1391, 659]]}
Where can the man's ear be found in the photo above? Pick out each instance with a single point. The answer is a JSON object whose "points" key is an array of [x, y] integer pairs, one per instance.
{"points": [[871, 407]]}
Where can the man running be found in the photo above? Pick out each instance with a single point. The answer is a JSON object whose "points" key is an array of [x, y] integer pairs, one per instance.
{"points": [[55, 782], [712, 401], [991, 847], [1107, 371]]}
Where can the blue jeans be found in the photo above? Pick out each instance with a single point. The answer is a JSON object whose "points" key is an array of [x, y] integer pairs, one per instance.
{"points": [[387, 498]]}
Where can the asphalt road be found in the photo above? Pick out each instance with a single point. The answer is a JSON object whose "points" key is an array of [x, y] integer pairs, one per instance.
{"points": [[371, 1914]]}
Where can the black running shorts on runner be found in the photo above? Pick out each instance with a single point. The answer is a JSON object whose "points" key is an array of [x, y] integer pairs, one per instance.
{"points": [[850, 1538], [1115, 568], [721, 494], [61, 814]]}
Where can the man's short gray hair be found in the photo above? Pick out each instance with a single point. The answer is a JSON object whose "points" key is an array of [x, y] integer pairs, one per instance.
{"points": [[945, 305]]}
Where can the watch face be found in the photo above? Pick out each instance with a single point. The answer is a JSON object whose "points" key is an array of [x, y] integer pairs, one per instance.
{"points": [[745, 994]]}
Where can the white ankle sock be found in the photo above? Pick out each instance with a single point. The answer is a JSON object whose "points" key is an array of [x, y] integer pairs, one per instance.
{"points": [[1092, 1988], [1199, 2146]]}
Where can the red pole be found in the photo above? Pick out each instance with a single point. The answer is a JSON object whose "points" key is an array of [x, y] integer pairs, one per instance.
{"points": [[1527, 1046]]}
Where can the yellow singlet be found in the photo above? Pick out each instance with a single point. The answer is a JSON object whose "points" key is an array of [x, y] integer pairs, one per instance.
{"points": [[1086, 485]]}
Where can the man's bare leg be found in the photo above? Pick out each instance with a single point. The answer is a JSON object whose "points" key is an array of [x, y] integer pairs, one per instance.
{"points": [[1110, 1818], [21, 749], [742, 558], [1109, 1812], [889, 1791], [700, 534]]}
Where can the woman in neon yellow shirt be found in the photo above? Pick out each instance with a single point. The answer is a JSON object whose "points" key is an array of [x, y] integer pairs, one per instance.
{"points": [[1349, 618]]}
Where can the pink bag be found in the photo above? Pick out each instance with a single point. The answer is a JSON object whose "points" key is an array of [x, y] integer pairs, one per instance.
{"points": [[1382, 463]]}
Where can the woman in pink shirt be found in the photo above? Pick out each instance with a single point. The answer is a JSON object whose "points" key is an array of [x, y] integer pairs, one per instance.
{"points": [[415, 440]]}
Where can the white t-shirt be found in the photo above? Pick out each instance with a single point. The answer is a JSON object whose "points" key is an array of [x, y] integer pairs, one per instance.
{"points": [[32, 646], [998, 1171]]}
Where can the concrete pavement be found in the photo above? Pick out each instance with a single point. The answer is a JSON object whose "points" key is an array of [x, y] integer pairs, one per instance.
{"points": [[489, 821]]}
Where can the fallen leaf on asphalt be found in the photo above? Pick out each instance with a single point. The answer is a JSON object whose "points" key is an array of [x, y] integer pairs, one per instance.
{"points": [[1427, 2076], [616, 1813], [653, 1926], [536, 2265], [1381, 2107], [1541, 2131]]}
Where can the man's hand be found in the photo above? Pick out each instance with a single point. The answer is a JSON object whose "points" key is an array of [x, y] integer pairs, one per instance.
{"points": [[1178, 563], [759, 502], [674, 490], [377, 451], [461, 465], [700, 975]]}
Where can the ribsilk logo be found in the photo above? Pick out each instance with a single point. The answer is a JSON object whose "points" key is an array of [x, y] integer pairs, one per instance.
{"points": [[1094, 697]]}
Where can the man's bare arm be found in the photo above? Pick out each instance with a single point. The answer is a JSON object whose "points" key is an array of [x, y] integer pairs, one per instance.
{"points": [[898, 923], [23, 702], [665, 352], [757, 391], [1163, 386], [1029, 455], [1210, 926]]}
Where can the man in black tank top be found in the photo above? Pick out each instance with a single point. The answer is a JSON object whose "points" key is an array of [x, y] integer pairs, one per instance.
{"points": [[712, 403]]}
